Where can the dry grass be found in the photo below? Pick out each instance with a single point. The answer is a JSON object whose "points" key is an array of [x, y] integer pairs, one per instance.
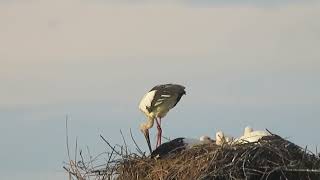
{"points": [[271, 158]]}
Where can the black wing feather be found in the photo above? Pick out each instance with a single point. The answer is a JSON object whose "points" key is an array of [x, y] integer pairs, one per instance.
{"points": [[168, 148], [166, 89]]}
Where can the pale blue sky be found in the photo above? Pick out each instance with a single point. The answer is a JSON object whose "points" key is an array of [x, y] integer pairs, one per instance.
{"points": [[242, 64]]}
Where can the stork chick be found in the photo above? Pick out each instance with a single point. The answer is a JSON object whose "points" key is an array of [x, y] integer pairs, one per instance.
{"points": [[250, 135], [222, 139]]}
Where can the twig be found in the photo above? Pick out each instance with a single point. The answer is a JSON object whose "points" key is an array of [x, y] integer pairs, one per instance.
{"points": [[124, 141], [76, 152], [135, 143], [113, 148], [302, 170], [67, 138]]}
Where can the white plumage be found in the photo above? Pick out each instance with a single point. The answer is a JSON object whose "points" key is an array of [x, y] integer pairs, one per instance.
{"points": [[221, 138], [155, 104], [251, 136], [146, 101], [206, 139]]}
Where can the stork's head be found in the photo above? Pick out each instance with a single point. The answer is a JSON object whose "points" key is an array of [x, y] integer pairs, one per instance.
{"points": [[247, 130], [206, 139], [220, 139], [145, 131]]}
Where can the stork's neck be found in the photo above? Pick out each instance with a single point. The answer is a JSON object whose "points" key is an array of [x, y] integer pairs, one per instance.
{"points": [[148, 124]]}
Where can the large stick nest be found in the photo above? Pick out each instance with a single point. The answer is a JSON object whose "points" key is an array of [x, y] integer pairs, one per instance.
{"points": [[271, 158]]}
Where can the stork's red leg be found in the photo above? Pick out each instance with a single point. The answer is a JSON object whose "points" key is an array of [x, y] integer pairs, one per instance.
{"points": [[159, 134]]}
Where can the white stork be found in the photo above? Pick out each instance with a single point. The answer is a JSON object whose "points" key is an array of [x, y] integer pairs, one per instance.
{"points": [[155, 104], [250, 135], [221, 138], [179, 144]]}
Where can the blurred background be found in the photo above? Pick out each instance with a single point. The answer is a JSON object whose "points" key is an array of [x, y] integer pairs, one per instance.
{"points": [[243, 63]]}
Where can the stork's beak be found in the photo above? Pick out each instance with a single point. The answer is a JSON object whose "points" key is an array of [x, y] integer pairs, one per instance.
{"points": [[146, 135]]}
